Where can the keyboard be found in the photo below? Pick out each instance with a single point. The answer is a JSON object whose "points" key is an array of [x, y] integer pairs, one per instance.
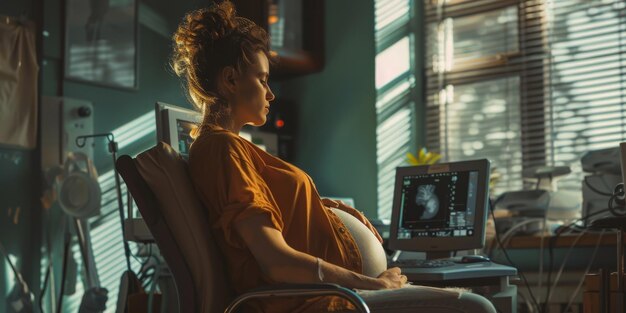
{"points": [[422, 263]]}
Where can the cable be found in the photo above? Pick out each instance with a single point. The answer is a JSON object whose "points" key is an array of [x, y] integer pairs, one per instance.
{"points": [[48, 268], [15, 272], [544, 222], [529, 308], [509, 233], [585, 179], [551, 244], [506, 255], [20, 295], [582, 280], [612, 209], [585, 218], [66, 249], [558, 276], [43, 287]]}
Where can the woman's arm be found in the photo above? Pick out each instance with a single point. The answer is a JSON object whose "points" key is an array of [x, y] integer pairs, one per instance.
{"points": [[283, 264]]}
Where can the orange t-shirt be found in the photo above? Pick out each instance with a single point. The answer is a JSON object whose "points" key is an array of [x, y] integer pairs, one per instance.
{"points": [[235, 179]]}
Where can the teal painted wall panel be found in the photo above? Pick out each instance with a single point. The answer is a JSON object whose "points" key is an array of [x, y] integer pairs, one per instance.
{"points": [[114, 108], [336, 141]]}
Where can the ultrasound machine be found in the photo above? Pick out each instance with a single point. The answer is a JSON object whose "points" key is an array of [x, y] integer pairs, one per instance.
{"points": [[441, 209]]}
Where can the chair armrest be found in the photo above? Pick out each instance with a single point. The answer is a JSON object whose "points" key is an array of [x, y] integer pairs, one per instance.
{"points": [[309, 290]]}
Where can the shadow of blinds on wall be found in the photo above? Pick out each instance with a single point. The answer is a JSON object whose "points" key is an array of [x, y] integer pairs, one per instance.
{"points": [[525, 83], [395, 82], [106, 231]]}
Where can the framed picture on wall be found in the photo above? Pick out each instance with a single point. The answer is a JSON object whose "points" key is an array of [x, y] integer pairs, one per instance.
{"points": [[296, 30], [101, 42]]}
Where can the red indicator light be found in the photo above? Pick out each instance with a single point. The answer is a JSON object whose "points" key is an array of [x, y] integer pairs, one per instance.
{"points": [[279, 123]]}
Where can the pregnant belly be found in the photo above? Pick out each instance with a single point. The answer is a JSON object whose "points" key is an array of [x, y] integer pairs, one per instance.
{"points": [[373, 255]]}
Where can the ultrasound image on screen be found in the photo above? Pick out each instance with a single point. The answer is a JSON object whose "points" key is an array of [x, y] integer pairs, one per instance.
{"points": [[428, 201], [438, 205]]}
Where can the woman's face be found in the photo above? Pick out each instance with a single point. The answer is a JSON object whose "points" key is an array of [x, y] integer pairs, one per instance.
{"points": [[250, 101]]}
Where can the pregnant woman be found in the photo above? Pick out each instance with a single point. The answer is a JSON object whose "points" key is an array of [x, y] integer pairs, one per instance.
{"points": [[266, 214]]}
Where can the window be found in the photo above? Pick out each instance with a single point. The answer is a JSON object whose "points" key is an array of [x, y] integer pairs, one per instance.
{"points": [[395, 86], [525, 83]]}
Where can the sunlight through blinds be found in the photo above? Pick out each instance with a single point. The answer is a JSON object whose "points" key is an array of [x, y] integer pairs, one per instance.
{"points": [[525, 83], [395, 105]]}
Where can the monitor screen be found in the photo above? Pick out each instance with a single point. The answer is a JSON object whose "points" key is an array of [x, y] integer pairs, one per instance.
{"points": [[174, 126], [440, 207], [184, 140]]}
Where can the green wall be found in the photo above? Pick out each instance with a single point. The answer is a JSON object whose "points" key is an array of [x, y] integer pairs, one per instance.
{"points": [[336, 140]]}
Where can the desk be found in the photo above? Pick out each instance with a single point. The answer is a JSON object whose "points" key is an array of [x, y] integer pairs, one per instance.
{"points": [[525, 253], [586, 240], [498, 290]]}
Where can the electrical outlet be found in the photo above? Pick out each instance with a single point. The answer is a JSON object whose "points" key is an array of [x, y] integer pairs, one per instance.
{"points": [[62, 120]]}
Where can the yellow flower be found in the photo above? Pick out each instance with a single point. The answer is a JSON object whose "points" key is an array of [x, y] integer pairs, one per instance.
{"points": [[423, 157]]}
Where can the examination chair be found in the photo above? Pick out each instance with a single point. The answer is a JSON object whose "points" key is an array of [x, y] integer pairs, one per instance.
{"points": [[159, 182]]}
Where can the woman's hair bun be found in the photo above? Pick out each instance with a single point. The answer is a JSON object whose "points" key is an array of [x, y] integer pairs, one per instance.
{"points": [[202, 28]]}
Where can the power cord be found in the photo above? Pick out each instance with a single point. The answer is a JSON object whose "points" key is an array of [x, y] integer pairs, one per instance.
{"points": [[508, 258], [66, 250], [582, 279], [20, 298], [617, 197], [594, 189], [552, 243], [49, 268], [550, 286]]}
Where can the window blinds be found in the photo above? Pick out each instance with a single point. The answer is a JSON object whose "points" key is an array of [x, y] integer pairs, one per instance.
{"points": [[395, 83], [525, 83]]}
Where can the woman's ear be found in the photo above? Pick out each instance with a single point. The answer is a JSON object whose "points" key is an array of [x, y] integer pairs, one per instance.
{"points": [[228, 79]]}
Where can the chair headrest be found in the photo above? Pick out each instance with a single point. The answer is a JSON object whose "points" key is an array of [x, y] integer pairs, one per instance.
{"points": [[165, 172]]}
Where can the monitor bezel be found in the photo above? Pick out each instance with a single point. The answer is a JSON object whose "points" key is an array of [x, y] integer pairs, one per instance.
{"points": [[437, 244], [166, 117]]}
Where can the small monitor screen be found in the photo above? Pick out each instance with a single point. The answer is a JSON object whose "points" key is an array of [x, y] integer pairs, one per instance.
{"points": [[184, 136], [438, 205]]}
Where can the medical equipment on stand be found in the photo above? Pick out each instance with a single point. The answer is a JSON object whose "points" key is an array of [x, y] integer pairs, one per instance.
{"points": [[604, 174], [532, 207], [79, 197]]}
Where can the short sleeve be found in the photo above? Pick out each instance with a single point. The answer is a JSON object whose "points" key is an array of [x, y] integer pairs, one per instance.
{"points": [[233, 179]]}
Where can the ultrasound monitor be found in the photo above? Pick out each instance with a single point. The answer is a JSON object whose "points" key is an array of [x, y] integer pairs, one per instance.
{"points": [[440, 208], [174, 125]]}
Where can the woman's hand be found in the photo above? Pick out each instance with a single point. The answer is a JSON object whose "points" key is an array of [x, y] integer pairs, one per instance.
{"points": [[392, 278], [354, 212]]}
